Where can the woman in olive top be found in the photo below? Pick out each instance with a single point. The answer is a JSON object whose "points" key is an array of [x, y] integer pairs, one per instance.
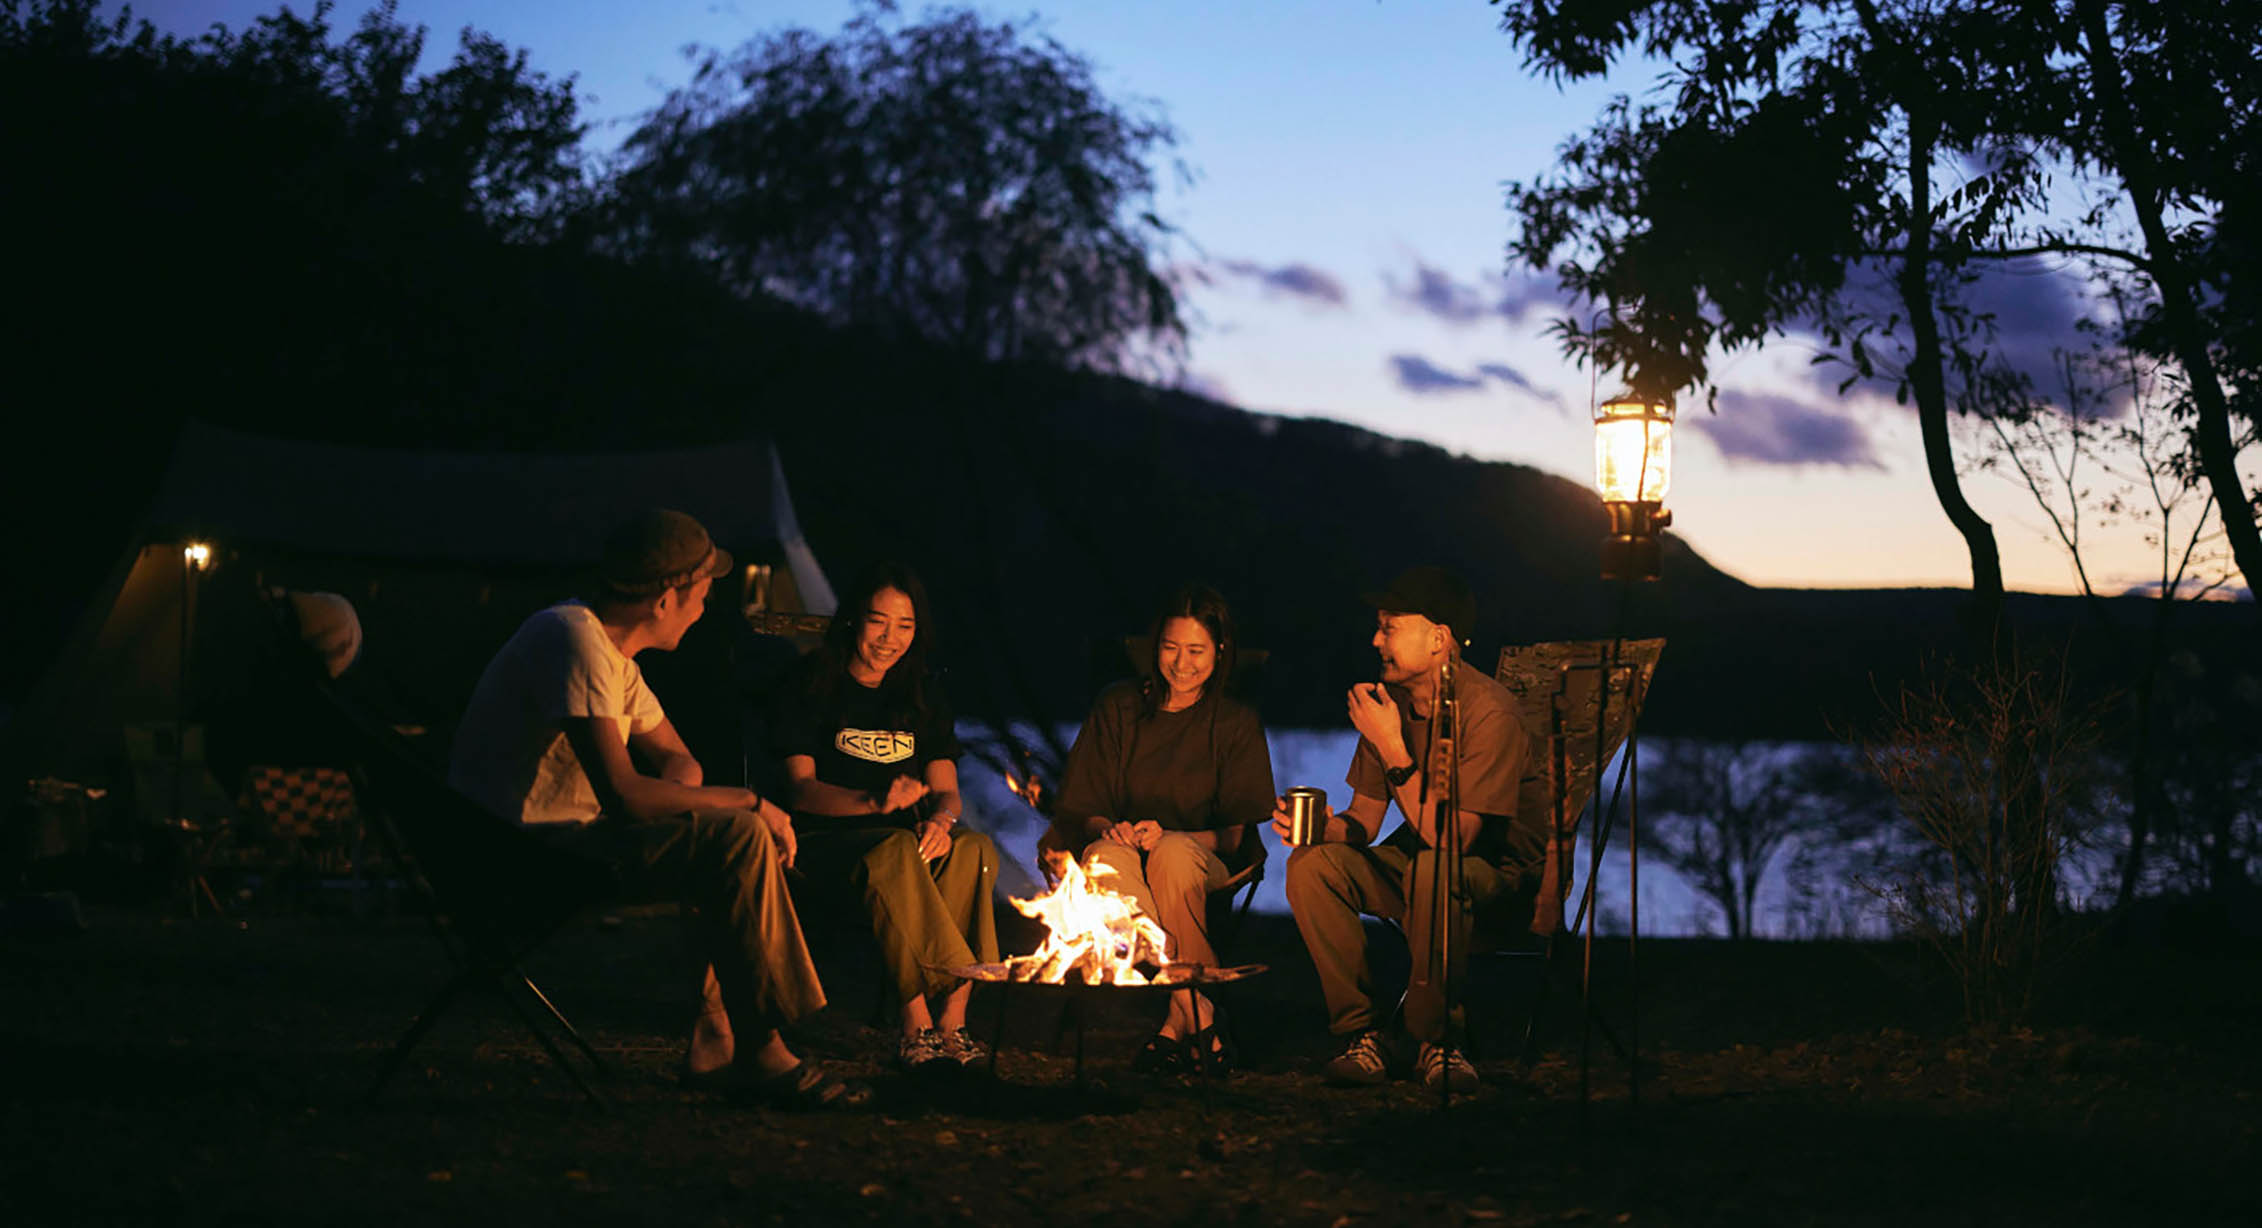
{"points": [[1165, 786], [872, 763]]}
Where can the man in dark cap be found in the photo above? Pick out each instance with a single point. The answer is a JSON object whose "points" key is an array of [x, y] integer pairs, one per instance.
{"points": [[1419, 620], [547, 743]]}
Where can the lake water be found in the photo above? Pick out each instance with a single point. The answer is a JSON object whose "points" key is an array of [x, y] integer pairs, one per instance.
{"points": [[1822, 899]]}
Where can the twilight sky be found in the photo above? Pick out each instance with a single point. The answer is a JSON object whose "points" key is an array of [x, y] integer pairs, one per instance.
{"points": [[1346, 214]]}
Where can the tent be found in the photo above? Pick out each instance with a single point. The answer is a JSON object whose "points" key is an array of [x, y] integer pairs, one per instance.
{"points": [[443, 553]]}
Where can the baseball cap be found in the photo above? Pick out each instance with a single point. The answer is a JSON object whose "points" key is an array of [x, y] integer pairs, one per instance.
{"points": [[657, 550], [1432, 592]]}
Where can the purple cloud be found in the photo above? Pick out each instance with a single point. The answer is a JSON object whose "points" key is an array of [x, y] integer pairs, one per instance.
{"points": [[1435, 292], [1525, 294], [1516, 379], [1767, 429], [1417, 374], [1432, 291], [2021, 311], [1313, 285]]}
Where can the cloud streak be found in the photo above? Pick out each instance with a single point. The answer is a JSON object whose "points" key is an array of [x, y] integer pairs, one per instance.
{"points": [[1763, 428], [1518, 380], [1309, 283], [1422, 377], [1441, 296], [1419, 375]]}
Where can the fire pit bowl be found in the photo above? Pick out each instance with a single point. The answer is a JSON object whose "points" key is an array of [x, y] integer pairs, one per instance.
{"points": [[1169, 976], [1077, 992]]}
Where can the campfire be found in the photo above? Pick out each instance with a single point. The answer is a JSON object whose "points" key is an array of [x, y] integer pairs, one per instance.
{"points": [[1027, 788], [1094, 935]]}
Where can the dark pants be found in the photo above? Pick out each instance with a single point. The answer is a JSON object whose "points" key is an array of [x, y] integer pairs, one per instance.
{"points": [[1330, 885], [723, 866], [929, 916]]}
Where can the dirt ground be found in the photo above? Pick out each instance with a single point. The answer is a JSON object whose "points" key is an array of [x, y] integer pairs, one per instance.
{"points": [[212, 1072]]}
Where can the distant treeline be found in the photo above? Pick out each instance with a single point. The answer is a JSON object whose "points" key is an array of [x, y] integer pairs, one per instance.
{"points": [[249, 233]]}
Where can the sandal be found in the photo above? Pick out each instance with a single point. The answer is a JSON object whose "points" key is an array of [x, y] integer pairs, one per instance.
{"points": [[1162, 1055], [804, 1089], [1208, 1055]]}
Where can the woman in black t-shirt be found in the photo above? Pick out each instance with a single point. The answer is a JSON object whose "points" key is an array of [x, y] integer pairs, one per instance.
{"points": [[872, 763], [1165, 786]]}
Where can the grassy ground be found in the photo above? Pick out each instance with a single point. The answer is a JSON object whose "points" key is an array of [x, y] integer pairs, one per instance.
{"points": [[210, 1073]]}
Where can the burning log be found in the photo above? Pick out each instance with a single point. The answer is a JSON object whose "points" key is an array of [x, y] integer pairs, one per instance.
{"points": [[1093, 935]]}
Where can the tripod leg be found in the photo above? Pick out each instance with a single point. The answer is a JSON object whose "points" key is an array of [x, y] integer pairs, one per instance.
{"points": [[550, 1046], [417, 1032], [997, 1033], [565, 1024]]}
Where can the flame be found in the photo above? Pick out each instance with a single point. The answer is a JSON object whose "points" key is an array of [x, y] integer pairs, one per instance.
{"points": [[1028, 788], [1093, 934]]}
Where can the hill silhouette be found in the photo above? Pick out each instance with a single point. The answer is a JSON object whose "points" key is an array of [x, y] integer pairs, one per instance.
{"points": [[193, 252]]}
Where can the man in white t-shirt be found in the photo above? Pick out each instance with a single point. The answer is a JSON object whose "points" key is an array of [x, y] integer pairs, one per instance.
{"points": [[547, 742]]}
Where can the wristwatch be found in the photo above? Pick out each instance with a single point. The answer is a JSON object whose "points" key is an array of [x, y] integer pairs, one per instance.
{"points": [[1397, 776]]}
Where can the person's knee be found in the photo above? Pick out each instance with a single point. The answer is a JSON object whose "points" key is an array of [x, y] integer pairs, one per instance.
{"points": [[895, 850], [1117, 858], [1317, 870], [1177, 866], [966, 842], [741, 833]]}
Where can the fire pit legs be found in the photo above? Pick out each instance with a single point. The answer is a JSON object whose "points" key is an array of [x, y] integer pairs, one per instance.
{"points": [[1076, 1005], [1076, 998], [997, 1033]]}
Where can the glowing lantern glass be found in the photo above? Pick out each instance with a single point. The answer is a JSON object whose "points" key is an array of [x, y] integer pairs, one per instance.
{"points": [[197, 555], [1633, 450], [1633, 466]]}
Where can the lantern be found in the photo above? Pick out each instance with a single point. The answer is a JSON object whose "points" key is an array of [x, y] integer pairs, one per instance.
{"points": [[1633, 464]]}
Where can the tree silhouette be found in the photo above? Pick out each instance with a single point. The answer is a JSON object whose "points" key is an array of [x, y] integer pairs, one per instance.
{"points": [[1807, 136], [954, 181]]}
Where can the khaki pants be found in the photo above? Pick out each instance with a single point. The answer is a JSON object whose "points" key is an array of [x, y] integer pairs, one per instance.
{"points": [[1170, 882], [929, 916], [1330, 885], [722, 865]]}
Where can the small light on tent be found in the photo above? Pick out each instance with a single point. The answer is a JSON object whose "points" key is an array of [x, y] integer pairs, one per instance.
{"points": [[198, 556]]}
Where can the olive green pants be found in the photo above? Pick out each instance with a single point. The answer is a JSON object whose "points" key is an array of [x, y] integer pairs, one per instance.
{"points": [[929, 916], [1330, 885], [1170, 882], [722, 865]]}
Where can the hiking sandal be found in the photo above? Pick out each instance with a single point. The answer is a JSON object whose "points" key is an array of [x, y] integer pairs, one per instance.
{"points": [[1162, 1055], [806, 1089]]}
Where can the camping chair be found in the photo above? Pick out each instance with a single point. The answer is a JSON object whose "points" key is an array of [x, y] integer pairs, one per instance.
{"points": [[805, 632], [1558, 691], [312, 831], [496, 891]]}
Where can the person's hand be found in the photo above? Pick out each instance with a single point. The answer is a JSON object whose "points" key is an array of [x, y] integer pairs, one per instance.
{"points": [[781, 830], [1280, 818], [1375, 715], [1125, 834], [934, 838], [1283, 828], [1144, 833], [903, 792]]}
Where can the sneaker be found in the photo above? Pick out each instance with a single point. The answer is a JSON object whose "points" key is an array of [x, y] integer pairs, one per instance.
{"points": [[1361, 1064], [922, 1049], [959, 1045], [1438, 1064]]}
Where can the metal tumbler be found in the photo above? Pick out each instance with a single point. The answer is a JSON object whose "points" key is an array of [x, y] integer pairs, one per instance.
{"points": [[1307, 810]]}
